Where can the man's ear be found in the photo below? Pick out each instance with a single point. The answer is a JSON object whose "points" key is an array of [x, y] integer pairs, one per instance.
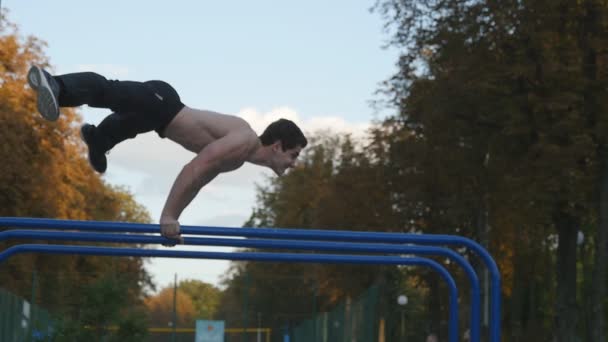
{"points": [[277, 146]]}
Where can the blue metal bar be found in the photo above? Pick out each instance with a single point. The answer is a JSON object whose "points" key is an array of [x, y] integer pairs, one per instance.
{"points": [[283, 257], [284, 233], [274, 244]]}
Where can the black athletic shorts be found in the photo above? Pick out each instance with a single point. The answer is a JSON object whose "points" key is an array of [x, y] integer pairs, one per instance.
{"points": [[164, 106]]}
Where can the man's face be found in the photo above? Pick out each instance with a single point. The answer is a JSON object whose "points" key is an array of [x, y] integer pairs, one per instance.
{"points": [[286, 159]]}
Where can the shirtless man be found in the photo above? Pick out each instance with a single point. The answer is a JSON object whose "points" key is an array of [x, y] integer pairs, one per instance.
{"points": [[222, 142]]}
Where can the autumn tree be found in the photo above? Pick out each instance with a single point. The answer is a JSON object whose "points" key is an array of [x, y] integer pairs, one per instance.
{"points": [[205, 297], [162, 305], [45, 173]]}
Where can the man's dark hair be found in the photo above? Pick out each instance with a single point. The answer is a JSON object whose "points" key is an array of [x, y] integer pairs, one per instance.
{"points": [[286, 131]]}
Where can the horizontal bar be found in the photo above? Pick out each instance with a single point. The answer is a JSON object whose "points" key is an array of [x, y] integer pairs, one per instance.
{"points": [[248, 256], [274, 244]]}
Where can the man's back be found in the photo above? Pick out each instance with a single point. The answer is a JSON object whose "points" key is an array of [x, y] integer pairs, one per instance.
{"points": [[194, 129]]}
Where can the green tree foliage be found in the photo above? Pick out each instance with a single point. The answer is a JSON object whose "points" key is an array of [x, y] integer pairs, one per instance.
{"points": [[278, 294], [499, 136], [335, 186], [205, 297], [505, 98], [317, 194], [105, 311]]}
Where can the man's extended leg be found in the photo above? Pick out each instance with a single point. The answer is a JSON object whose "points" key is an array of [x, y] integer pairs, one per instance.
{"points": [[96, 91], [76, 89], [138, 107]]}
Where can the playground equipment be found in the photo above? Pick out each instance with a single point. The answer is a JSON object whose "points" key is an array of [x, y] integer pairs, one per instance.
{"points": [[267, 238]]}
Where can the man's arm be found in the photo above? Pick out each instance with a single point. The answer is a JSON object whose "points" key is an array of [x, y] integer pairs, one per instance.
{"points": [[212, 160]]}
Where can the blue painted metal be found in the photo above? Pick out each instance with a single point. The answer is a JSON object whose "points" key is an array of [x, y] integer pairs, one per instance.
{"points": [[285, 233], [282, 257], [273, 244]]}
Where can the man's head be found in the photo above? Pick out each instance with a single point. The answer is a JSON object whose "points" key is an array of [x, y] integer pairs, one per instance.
{"points": [[286, 140]]}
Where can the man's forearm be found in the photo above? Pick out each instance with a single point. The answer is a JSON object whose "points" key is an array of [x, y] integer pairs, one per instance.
{"points": [[185, 187]]}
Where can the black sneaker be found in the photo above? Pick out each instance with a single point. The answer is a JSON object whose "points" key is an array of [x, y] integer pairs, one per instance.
{"points": [[97, 156], [48, 92]]}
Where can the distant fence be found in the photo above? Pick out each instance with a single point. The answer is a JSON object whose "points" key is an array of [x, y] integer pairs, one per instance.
{"points": [[189, 334], [21, 321], [355, 320]]}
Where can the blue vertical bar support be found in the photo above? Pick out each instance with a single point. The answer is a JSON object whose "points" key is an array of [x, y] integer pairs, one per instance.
{"points": [[281, 257]]}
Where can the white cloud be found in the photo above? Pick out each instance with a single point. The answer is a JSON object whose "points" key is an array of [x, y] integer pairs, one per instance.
{"points": [[337, 125], [259, 121]]}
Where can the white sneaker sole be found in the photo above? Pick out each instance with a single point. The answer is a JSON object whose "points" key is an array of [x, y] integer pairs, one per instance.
{"points": [[47, 103]]}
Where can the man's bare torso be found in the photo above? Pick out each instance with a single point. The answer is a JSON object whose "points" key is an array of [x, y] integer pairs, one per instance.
{"points": [[194, 129]]}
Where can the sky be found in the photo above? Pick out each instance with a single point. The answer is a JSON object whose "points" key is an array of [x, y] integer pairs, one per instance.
{"points": [[315, 62]]}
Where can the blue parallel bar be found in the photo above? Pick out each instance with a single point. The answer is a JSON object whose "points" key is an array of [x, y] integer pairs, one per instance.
{"points": [[285, 233], [274, 244], [282, 257]]}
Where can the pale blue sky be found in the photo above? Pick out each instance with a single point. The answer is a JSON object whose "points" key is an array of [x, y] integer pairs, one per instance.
{"points": [[315, 62], [319, 57]]}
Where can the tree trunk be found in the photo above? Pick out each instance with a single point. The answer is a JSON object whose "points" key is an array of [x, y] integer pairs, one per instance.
{"points": [[517, 303], [566, 308], [598, 286], [533, 321], [481, 223], [592, 29]]}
